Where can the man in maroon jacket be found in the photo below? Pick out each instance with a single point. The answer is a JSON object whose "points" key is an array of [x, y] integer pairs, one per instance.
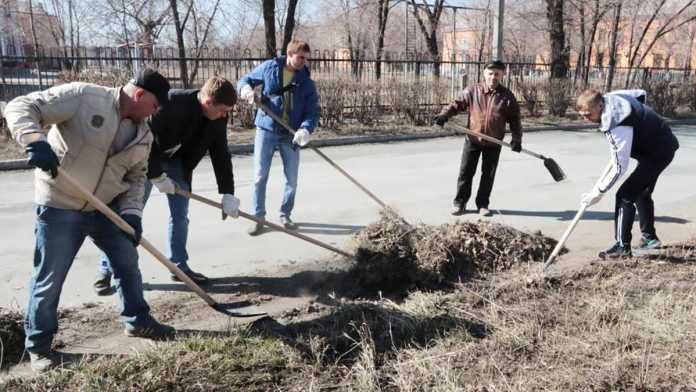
{"points": [[490, 106]]}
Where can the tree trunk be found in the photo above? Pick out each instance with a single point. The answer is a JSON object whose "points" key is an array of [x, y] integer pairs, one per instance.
{"points": [[597, 15], [269, 27], [612, 45], [559, 52], [183, 69], [431, 33], [36, 43], [289, 25], [196, 61], [383, 15]]}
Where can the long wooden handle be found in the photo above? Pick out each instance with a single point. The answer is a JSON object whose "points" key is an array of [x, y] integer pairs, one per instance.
{"points": [[500, 142], [572, 225], [123, 225], [565, 236], [287, 126], [215, 204]]}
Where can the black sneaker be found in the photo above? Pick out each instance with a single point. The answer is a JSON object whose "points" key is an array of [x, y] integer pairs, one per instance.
{"points": [[102, 286], [457, 210], [648, 244], [155, 331], [256, 229], [288, 223], [43, 361], [617, 251], [195, 276]]}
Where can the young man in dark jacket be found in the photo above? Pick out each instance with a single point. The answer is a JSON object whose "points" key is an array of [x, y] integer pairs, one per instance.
{"points": [[633, 130], [191, 124], [290, 93], [490, 107]]}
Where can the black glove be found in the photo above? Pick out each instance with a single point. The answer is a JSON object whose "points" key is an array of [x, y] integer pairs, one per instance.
{"points": [[440, 120], [42, 156], [516, 145], [136, 223]]}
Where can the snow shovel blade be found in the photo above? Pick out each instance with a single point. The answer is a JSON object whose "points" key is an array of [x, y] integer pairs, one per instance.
{"points": [[232, 313], [555, 170]]}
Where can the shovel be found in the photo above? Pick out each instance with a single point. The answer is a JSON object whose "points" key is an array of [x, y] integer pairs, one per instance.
{"points": [[123, 225], [570, 228], [551, 165], [292, 131], [244, 215]]}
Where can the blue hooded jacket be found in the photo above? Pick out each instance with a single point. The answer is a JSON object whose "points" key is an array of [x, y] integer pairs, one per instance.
{"points": [[304, 105]]}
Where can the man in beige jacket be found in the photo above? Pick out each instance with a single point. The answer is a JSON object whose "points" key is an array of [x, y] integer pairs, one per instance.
{"points": [[98, 136]]}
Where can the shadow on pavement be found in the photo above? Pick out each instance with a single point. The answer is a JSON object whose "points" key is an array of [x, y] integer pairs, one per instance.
{"points": [[568, 215]]}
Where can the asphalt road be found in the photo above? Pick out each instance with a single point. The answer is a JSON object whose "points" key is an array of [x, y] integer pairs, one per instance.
{"points": [[416, 178]]}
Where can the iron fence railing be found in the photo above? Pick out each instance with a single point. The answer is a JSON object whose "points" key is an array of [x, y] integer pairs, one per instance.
{"points": [[21, 75]]}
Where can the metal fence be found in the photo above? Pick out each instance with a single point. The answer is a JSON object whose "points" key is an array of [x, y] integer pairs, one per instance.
{"points": [[21, 75]]}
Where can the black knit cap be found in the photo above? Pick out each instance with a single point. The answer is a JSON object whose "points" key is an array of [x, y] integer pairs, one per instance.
{"points": [[153, 82], [496, 64]]}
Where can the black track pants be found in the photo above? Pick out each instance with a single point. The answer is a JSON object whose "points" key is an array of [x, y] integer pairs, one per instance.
{"points": [[636, 194]]}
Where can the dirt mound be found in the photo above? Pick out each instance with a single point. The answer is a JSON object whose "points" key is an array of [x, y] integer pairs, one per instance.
{"points": [[393, 255], [11, 337]]}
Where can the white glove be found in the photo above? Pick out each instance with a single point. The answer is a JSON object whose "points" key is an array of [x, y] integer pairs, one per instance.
{"points": [[164, 184], [302, 137], [230, 205], [247, 94], [591, 198]]}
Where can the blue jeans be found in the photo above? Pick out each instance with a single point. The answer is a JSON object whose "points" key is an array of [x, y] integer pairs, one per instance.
{"points": [[59, 235], [265, 145], [177, 234]]}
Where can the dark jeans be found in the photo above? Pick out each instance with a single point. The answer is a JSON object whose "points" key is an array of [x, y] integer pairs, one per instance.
{"points": [[177, 234], [59, 235], [467, 169], [636, 193]]}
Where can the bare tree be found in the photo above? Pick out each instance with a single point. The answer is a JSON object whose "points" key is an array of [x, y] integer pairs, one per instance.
{"points": [[669, 23], [559, 50], [383, 7], [289, 26], [179, 27], [269, 27], [612, 44], [430, 31]]}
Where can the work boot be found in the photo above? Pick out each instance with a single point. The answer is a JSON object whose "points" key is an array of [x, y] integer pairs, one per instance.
{"points": [[649, 243], [43, 361], [154, 330], [102, 286], [485, 212], [195, 276], [256, 229], [288, 223], [617, 251], [458, 210]]}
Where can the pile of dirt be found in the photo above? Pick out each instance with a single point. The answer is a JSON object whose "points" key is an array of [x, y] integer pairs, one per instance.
{"points": [[11, 337], [393, 255]]}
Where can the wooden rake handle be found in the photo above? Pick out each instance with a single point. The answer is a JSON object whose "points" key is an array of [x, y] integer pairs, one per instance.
{"points": [[123, 225], [244, 215], [499, 142]]}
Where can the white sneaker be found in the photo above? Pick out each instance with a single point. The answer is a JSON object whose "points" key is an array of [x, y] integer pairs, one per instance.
{"points": [[42, 362], [288, 223]]}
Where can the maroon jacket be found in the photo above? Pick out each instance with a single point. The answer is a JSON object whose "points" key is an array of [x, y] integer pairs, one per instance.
{"points": [[489, 110]]}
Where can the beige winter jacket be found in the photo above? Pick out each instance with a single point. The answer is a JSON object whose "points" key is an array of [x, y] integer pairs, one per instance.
{"points": [[85, 120]]}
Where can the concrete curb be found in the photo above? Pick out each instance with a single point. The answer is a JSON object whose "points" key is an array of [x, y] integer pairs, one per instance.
{"points": [[248, 148]]}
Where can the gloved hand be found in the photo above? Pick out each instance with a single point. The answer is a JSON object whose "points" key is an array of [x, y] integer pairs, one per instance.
{"points": [[302, 137], [230, 206], [516, 145], [41, 155], [591, 198], [247, 94], [164, 184], [440, 120], [136, 223]]}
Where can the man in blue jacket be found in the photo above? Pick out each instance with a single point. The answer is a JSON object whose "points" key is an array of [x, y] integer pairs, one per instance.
{"points": [[287, 90], [633, 130]]}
